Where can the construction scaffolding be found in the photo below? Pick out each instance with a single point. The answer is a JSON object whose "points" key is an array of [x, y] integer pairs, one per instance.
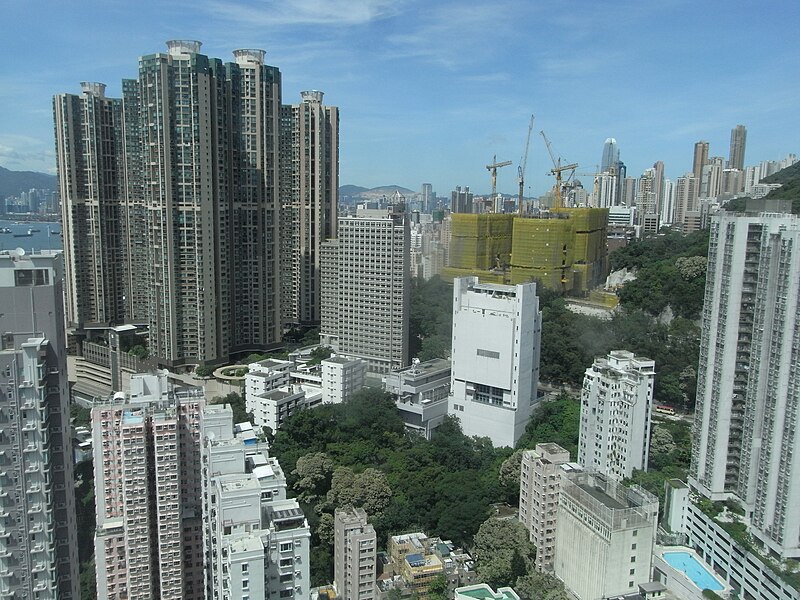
{"points": [[480, 244]]}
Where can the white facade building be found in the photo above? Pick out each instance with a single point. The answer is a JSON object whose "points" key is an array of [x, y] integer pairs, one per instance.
{"points": [[539, 483], [342, 377], [256, 541], [421, 393], [354, 555], [366, 288], [495, 358], [616, 403], [604, 536], [745, 433]]}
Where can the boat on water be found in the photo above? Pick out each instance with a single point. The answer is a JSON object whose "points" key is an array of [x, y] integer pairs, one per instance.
{"points": [[5, 230], [34, 230], [28, 234]]}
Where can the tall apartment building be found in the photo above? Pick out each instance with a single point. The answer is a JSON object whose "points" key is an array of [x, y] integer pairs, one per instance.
{"points": [[495, 358], [461, 200], [91, 180], [686, 194], [366, 288], [604, 193], [354, 555], [604, 536], [700, 159], [174, 198], [148, 498], [668, 203], [647, 201], [428, 198], [256, 542], [309, 200], [738, 143], [38, 536], [616, 403], [744, 433], [539, 484]]}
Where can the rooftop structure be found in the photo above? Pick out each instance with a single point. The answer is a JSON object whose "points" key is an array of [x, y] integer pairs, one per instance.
{"points": [[483, 591], [420, 393]]}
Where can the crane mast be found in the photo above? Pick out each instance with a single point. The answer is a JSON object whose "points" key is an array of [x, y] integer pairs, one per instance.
{"points": [[522, 166], [557, 170]]}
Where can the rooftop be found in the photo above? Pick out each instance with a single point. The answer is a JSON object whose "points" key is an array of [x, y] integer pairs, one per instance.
{"points": [[482, 591]]}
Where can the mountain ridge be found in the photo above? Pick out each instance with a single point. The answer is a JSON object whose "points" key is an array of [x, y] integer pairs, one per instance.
{"points": [[12, 183]]}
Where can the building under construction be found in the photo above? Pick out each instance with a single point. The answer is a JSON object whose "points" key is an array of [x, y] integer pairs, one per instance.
{"points": [[565, 252]]}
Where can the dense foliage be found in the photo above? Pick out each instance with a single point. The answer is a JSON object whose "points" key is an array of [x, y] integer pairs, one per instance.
{"points": [[431, 318], [789, 178], [670, 272], [358, 453]]}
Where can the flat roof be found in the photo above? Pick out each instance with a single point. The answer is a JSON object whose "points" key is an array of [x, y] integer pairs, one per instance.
{"points": [[602, 497]]}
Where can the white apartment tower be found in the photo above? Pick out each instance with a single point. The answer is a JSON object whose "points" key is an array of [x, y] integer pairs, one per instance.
{"points": [[148, 491], [366, 288], [354, 555], [687, 190], [342, 377], [604, 536], [539, 483], [745, 433], [616, 403], [38, 536], [495, 358], [256, 541], [309, 200]]}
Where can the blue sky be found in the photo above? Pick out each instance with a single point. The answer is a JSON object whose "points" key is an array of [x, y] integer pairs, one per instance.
{"points": [[430, 90]]}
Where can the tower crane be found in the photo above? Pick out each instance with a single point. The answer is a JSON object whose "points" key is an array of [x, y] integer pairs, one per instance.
{"points": [[557, 169], [492, 168], [522, 165]]}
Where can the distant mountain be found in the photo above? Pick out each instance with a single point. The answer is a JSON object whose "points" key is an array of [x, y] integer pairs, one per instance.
{"points": [[356, 191], [14, 182]]}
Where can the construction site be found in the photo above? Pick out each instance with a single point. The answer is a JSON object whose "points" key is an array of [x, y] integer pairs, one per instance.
{"points": [[563, 249]]}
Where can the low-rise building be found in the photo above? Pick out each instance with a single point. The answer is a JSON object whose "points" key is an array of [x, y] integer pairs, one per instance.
{"points": [[420, 393], [342, 377]]}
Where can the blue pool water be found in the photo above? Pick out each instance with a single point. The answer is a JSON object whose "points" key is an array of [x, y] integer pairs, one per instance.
{"points": [[683, 561]]}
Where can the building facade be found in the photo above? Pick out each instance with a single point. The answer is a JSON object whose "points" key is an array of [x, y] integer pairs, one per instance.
{"points": [[700, 159], [539, 483], [148, 499], [354, 555], [256, 542], [495, 358], [421, 393], [744, 430], [342, 377], [38, 536], [366, 288], [309, 200], [604, 536], [738, 144], [616, 404]]}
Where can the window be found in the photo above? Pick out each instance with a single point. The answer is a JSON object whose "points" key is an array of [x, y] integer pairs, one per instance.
{"points": [[286, 547], [244, 567], [488, 353], [633, 546], [632, 572], [633, 559], [635, 532], [630, 584]]}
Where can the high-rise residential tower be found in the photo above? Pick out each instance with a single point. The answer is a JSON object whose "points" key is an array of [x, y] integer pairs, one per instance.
{"points": [[174, 198], [616, 402], [610, 155], [686, 194], [89, 139], [744, 433], [428, 199], [495, 358], [309, 200], [700, 158], [366, 288], [148, 498], [38, 536], [738, 143]]}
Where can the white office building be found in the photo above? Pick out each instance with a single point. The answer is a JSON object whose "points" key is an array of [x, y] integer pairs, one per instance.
{"points": [[616, 403], [495, 358], [256, 541], [604, 536]]}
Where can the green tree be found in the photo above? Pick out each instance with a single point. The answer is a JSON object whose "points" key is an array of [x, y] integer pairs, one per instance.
{"points": [[203, 371], [139, 351], [540, 586], [313, 473], [502, 552], [438, 589]]}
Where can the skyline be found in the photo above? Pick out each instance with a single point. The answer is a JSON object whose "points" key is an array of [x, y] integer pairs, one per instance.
{"points": [[436, 91]]}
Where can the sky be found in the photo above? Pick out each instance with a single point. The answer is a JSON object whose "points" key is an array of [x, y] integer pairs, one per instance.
{"points": [[432, 90]]}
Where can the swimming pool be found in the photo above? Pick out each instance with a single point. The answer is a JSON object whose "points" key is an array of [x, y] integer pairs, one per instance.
{"points": [[694, 570]]}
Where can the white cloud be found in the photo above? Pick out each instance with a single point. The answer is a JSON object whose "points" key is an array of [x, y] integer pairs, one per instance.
{"points": [[266, 13]]}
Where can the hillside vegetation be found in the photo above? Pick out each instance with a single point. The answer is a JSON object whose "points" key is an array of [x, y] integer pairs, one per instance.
{"points": [[12, 183]]}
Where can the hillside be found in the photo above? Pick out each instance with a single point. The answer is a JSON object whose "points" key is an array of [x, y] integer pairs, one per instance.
{"points": [[789, 178], [14, 182], [356, 191]]}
